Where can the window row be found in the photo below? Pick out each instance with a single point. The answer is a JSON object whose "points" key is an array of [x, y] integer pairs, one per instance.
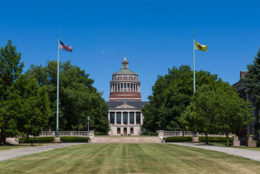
{"points": [[118, 118], [124, 78]]}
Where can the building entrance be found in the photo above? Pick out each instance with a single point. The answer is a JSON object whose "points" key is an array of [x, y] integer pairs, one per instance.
{"points": [[131, 130], [125, 131]]}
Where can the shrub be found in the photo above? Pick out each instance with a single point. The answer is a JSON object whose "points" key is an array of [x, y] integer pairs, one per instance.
{"points": [[150, 133], [178, 139], [51, 139], [215, 139], [100, 133], [37, 139], [201, 138], [258, 143], [74, 139]]}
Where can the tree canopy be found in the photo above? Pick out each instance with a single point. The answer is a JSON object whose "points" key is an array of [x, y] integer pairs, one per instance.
{"points": [[78, 97], [217, 108], [171, 95], [252, 84], [10, 71], [28, 100]]}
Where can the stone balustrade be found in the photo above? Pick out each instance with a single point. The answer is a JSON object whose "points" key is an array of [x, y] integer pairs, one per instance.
{"points": [[187, 133], [66, 133]]}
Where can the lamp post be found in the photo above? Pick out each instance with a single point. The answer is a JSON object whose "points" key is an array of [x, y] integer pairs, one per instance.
{"points": [[88, 123]]}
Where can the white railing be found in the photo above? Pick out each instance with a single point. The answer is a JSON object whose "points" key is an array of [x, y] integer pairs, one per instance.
{"points": [[64, 133], [188, 133]]}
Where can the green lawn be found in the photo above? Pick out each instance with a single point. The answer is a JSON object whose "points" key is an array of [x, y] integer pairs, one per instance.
{"points": [[241, 147], [129, 158], [9, 147]]}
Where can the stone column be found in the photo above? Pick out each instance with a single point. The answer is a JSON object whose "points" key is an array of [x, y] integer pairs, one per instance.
{"points": [[135, 118], [122, 118], [115, 118], [141, 119], [128, 118], [109, 117]]}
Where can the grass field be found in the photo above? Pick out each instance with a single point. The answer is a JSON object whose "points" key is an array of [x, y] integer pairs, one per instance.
{"points": [[9, 147], [129, 158]]}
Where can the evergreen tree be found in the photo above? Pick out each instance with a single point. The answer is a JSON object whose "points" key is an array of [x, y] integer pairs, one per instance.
{"points": [[252, 84]]}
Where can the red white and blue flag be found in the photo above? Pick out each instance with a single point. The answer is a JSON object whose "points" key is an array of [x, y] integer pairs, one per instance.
{"points": [[65, 47]]}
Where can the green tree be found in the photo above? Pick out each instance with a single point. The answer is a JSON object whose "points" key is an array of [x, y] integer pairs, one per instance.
{"points": [[78, 97], [252, 84], [171, 95], [200, 115], [33, 111], [10, 70], [217, 108]]}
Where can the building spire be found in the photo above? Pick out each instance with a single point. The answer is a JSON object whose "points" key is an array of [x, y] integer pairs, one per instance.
{"points": [[125, 63]]}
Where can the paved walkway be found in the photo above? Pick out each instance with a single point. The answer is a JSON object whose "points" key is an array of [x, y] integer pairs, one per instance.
{"points": [[13, 153], [249, 154]]}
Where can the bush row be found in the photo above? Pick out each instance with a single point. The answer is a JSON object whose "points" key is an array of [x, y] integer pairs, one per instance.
{"points": [[202, 139], [51, 139]]}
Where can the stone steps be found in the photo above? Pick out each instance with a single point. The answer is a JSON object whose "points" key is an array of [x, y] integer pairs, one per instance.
{"points": [[110, 139]]}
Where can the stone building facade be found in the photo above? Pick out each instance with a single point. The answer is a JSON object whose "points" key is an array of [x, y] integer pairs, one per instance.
{"points": [[125, 105]]}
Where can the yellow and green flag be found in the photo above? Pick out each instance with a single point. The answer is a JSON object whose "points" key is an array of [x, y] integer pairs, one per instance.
{"points": [[200, 47]]}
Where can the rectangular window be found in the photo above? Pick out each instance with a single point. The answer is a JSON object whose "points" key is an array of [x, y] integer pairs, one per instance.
{"points": [[138, 118], [131, 118], [112, 117], [125, 87], [131, 130], [118, 130], [118, 117], [125, 117]]}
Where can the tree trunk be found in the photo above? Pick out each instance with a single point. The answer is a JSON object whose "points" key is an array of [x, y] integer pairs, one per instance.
{"points": [[3, 137], [27, 138], [227, 140], [207, 139], [257, 124]]}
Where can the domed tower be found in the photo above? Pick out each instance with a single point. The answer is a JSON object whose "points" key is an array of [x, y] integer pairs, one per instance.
{"points": [[125, 86]]}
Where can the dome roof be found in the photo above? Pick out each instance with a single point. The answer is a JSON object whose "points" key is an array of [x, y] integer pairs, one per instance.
{"points": [[125, 69]]}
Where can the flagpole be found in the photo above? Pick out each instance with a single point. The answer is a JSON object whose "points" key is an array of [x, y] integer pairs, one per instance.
{"points": [[58, 86], [195, 137], [194, 76]]}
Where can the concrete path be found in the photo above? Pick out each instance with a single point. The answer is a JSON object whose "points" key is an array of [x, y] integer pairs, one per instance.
{"points": [[13, 153], [249, 154]]}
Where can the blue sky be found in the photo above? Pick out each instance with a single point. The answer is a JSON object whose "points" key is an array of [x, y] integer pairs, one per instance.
{"points": [[154, 35]]}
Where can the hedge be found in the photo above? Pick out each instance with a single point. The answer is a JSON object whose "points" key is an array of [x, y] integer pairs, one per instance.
{"points": [[178, 139], [201, 138], [51, 139]]}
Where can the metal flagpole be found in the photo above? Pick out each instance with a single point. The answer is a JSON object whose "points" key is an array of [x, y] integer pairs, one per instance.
{"points": [[58, 86], [195, 135], [194, 76]]}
